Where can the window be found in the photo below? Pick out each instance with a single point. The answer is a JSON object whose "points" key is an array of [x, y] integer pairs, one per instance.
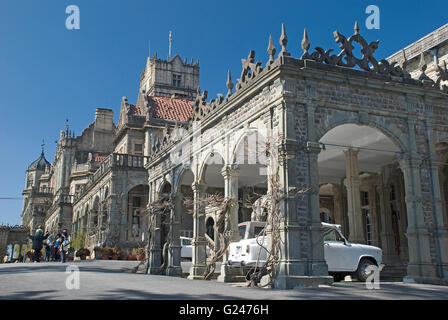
{"points": [[392, 193], [136, 224], [136, 202], [364, 198], [176, 80], [366, 213], [330, 234], [242, 231], [186, 242], [138, 148]]}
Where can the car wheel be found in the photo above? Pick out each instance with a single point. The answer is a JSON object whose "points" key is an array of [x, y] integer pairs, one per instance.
{"points": [[361, 272]]}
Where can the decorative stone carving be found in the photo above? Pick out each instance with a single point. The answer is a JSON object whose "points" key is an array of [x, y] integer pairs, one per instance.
{"points": [[347, 59], [250, 70]]}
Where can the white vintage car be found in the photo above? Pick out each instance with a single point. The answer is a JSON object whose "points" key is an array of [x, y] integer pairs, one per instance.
{"points": [[343, 258], [186, 251]]}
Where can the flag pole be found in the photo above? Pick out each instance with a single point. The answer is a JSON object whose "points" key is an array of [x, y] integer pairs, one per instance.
{"points": [[169, 49]]}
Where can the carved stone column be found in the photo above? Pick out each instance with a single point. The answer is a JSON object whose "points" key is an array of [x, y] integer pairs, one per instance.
{"points": [[420, 264], [337, 204], [155, 250], [199, 257], [231, 190], [353, 182], [302, 261], [386, 233], [174, 251]]}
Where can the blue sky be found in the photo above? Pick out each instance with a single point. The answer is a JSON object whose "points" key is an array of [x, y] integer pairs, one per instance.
{"points": [[48, 73]]}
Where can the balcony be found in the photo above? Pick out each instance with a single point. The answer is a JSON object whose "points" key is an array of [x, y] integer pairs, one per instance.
{"points": [[115, 161]]}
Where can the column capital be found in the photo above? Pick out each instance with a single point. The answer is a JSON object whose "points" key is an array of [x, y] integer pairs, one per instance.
{"points": [[351, 152], [410, 161], [313, 147], [229, 171], [199, 186]]}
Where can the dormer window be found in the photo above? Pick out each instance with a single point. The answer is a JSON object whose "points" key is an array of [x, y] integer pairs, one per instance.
{"points": [[176, 80]]}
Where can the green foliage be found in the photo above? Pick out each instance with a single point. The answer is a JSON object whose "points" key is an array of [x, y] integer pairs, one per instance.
{"points": [[79, 241]]}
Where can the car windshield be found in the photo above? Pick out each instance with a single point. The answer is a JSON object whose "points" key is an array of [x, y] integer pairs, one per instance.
{"points": [[186, 242], [329, 234], [242, 231]]}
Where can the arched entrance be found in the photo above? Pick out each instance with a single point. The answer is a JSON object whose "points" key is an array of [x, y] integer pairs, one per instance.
{"points": [[362, 187], [137, 201]]}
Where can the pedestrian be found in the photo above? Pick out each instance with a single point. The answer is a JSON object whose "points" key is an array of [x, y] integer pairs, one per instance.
{"points": [[63, 248], [47, 251], [37, 241], [57, 244]]}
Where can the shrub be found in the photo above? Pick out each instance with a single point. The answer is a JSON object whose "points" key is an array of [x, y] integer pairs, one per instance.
{"points": [[79, 241], [107, 251], [83, 252], [116, 252], [140, 253]]}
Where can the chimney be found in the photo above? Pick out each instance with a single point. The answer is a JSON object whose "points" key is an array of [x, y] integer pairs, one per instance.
{"points": [[104, 119]]}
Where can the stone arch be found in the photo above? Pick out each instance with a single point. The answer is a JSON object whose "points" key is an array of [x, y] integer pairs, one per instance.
{"points": [[243, 135], [399, 138], [203, 164]]}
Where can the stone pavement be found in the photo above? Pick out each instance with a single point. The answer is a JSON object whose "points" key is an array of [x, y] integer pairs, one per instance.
{"points": [[114, 280]]}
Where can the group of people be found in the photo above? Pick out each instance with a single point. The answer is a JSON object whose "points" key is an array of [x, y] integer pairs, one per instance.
{"points": [[56, 251]]}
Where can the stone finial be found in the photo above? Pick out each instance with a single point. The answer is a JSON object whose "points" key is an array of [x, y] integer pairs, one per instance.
{"points": [[229, 84], [356, 28], [404, 60], [155, 56], [422, 63], [271, 49], [305, 42], [284, 41], [422, 66]]}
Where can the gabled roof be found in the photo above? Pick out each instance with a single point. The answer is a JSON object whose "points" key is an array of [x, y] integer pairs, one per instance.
{"points": [[170, 108]]}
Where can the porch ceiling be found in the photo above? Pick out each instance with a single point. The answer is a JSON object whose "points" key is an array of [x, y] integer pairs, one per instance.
{"points": [[376, 150]]}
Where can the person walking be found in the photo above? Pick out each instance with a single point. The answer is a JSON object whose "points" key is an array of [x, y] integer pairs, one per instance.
{"points": [[37, 241], [57, 245], [47, 250], [64, 245]]}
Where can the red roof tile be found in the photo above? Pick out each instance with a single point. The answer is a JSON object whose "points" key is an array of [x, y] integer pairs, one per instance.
{"points": [[135, 110], [170, 108]]}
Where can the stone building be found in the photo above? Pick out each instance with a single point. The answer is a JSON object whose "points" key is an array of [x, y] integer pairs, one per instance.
{"points": [[351, 140], [365, 141]]}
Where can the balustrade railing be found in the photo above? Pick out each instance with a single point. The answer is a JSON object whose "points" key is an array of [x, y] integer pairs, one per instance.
{"points": [[114, 160]]}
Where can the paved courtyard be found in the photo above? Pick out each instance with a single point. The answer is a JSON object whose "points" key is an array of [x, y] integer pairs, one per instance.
{"points": [[115, 280]]}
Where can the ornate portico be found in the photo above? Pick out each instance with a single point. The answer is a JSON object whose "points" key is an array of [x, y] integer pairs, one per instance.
{"points": [[295, 102]]}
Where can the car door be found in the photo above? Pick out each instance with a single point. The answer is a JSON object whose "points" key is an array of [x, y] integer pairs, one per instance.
{"points": [[336, 251]]}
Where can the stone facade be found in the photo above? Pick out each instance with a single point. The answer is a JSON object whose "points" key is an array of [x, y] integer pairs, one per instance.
{"points": [[385, 181]]}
